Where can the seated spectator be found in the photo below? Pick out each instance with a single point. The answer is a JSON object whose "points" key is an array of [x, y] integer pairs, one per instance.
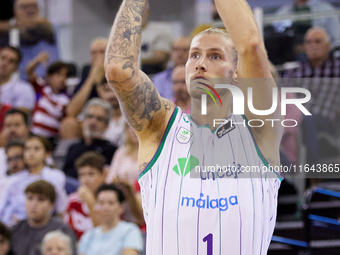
{"points": [[133, 211], [179, 56], [15, 129], [15, 126], [325, 92], [15, 157], [113, 236], [16, 164], [114, 132], [28, 234], [97, 114], [97, 49], [36, 34], [155, 45], [5, 240], [56, 243], [181, 96], [14, 92], [330, 24], [125, 161], [51, 105], [80, 214], [35, 154]]}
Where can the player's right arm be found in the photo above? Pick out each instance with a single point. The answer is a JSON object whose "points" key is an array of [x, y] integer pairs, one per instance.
{"points": [[145, 110]]}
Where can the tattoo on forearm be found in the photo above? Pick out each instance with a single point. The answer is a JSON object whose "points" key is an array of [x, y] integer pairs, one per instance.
{"points": [[138, 96], [125, 38], [140, 104]]}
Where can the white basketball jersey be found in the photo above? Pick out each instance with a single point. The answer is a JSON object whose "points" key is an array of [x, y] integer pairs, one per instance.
{"points": [[189, 212]]}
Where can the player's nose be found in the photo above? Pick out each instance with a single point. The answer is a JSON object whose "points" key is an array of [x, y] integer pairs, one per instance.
{"points": [[201, 65]]}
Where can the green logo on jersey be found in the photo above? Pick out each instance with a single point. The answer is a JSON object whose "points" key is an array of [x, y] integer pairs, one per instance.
{"points": [[185, 132], [185, 165]]}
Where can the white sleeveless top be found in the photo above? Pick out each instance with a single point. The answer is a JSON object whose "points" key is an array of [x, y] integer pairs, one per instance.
{"points": [[189, 212]]}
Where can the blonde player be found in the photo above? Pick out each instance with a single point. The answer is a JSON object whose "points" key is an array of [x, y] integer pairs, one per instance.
{"points": [[211, 214]]}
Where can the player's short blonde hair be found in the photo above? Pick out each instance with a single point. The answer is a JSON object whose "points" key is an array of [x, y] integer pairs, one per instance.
{"points": [[224, 33]]}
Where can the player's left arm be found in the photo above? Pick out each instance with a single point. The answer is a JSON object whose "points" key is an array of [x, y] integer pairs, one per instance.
{"points": [[253, 68]]}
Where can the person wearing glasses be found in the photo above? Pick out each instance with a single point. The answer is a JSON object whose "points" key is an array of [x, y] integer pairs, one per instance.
{"points": [[15, 162], [97, 114], [36, 35]]}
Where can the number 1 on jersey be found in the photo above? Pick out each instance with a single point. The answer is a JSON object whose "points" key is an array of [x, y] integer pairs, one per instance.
{"points": [[209, 240]]}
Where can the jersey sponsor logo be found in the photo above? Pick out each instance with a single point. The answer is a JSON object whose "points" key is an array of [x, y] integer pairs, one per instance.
{"points": [[207, 203], [183, 135], [185, 165], [225, 129]]}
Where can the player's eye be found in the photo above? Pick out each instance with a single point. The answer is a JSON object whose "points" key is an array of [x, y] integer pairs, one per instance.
{"points": [[216, 56], [194, 55]]}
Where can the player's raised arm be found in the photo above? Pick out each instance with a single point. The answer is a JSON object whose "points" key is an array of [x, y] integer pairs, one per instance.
{"points": [[142, 105], [252, 57]]}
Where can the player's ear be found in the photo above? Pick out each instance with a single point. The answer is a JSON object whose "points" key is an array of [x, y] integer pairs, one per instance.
{"points": [[235, 75]]}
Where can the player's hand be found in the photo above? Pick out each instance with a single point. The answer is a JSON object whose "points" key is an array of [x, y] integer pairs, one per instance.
{"points": [[86, 195]]}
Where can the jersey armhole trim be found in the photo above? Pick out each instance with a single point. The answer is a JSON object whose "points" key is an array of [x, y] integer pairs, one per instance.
{"points": [[161, 145], [259, 153]]}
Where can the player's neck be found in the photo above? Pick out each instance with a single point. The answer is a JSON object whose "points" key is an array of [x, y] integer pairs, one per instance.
{"points": [[213, 112]]}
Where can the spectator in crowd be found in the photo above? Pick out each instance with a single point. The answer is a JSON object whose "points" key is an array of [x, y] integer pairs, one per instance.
{"points": [[14, 92], [125, 161], [15, 128], [15, 157], [36, 34], [27, 235], [15, 160], [56, 243], [133, 211], [97, 114], [97, 49], [36, 151], [5, 240], [179, 56], [181, 96], [115, 130], [52, 102], [325, 92], [80, 214], [113, 236], [330, 24], [156, 45]]}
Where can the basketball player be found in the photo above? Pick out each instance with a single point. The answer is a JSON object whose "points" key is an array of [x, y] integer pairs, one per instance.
{"points": [[211, 214]]}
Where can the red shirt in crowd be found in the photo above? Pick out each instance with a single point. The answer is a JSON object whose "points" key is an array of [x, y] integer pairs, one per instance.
{"points": [[77, 215], [3, 110], [49, 110]]}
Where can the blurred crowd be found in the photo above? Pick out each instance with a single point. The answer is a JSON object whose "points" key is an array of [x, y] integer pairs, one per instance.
{"points": [[68, 159]]}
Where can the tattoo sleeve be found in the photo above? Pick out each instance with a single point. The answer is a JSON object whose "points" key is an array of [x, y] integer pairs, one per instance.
{"points": [[138, 96]]}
